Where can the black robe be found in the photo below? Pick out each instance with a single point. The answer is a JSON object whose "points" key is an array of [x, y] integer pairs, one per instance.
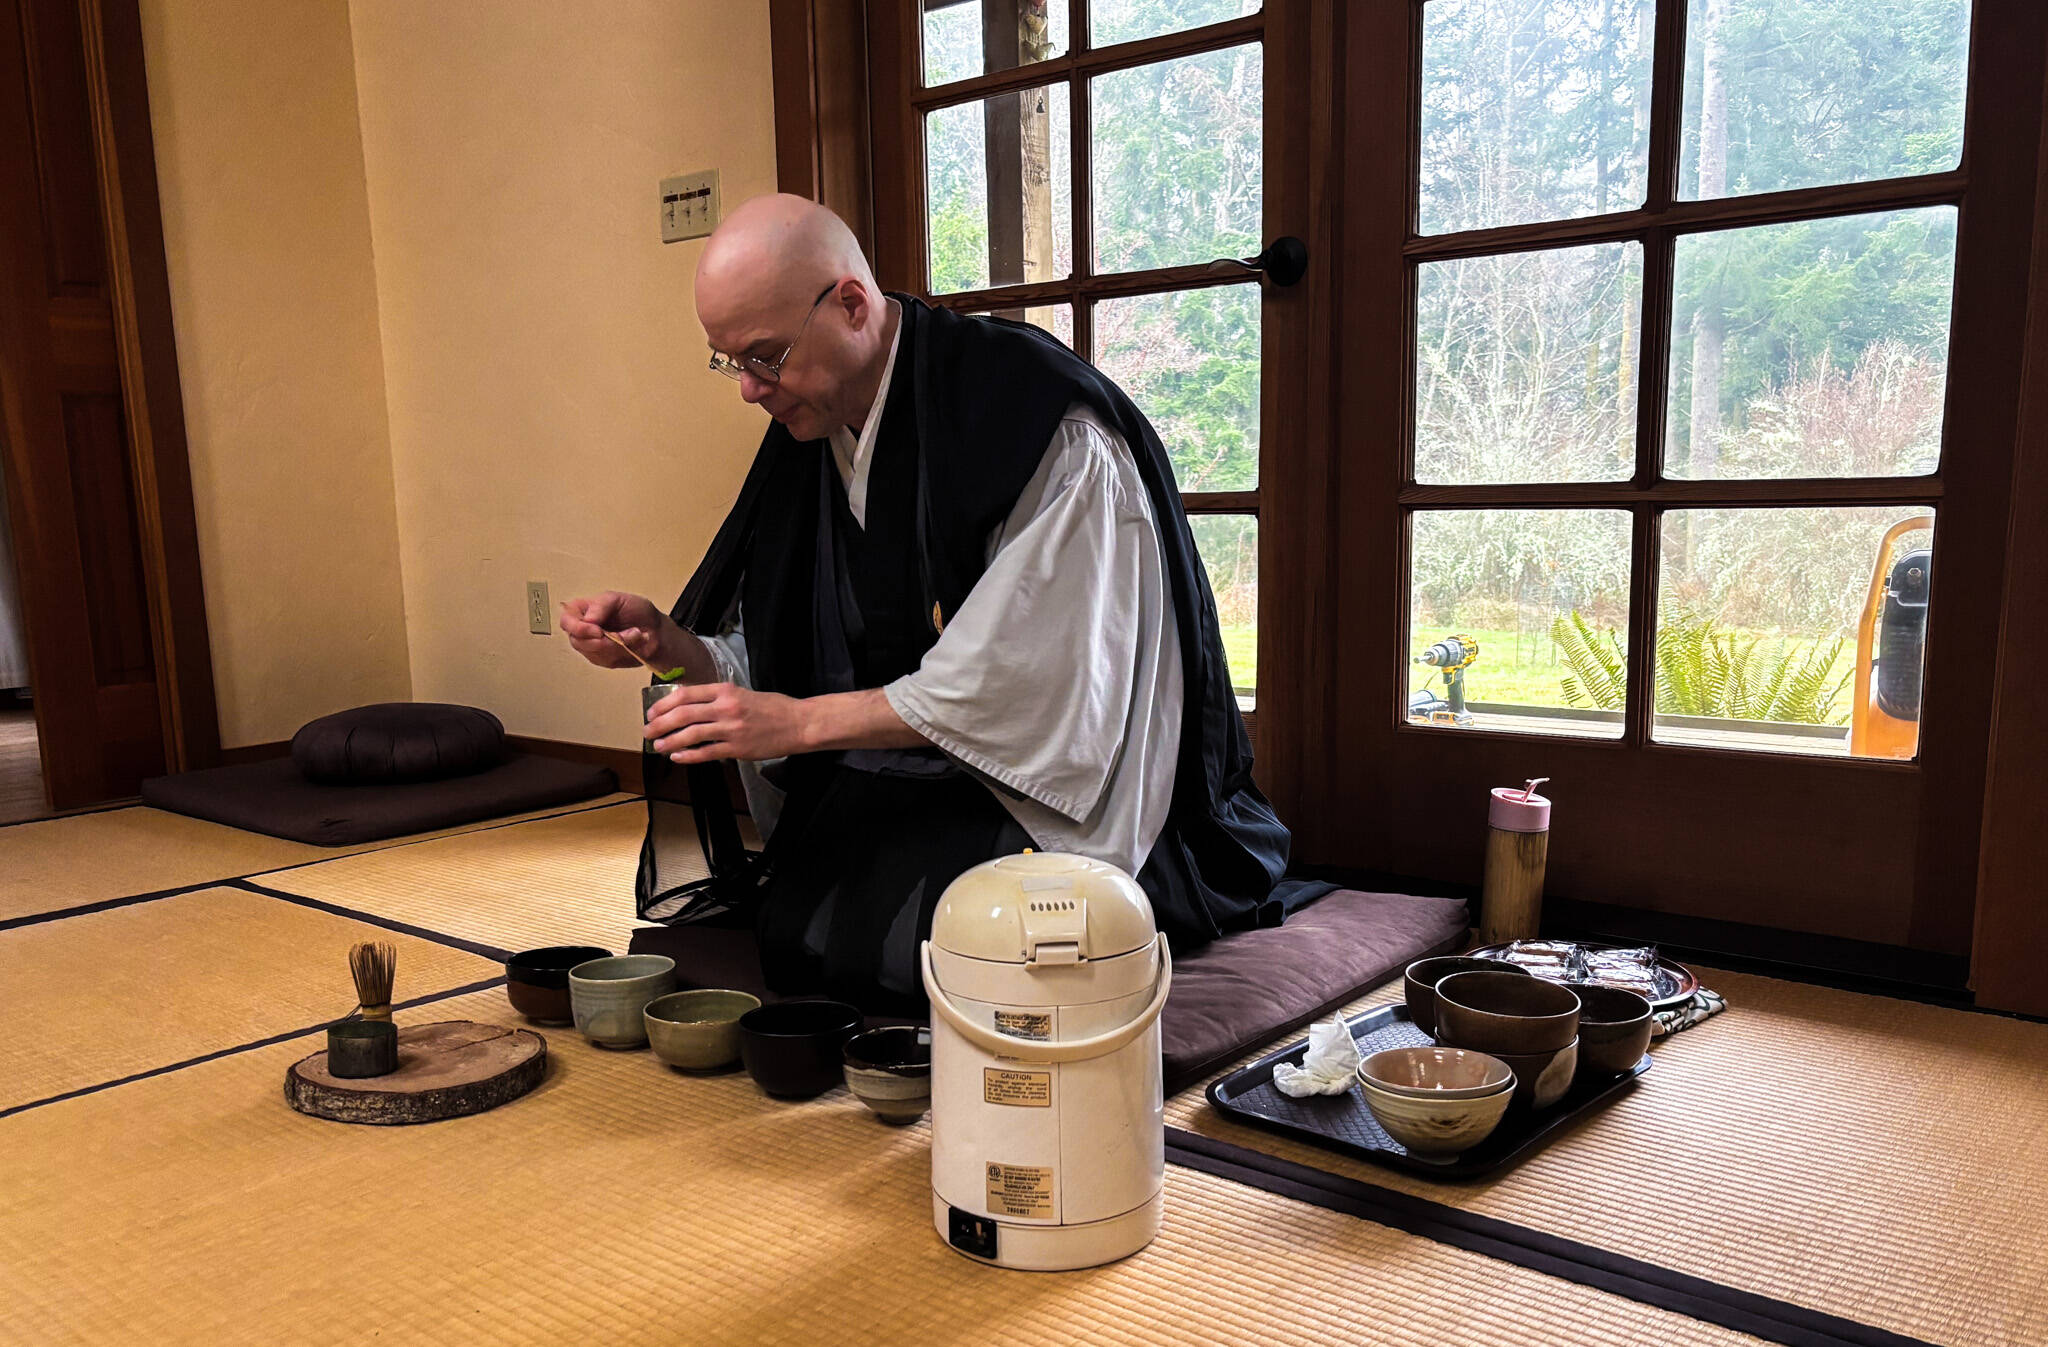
{"points": [[973, 405]]}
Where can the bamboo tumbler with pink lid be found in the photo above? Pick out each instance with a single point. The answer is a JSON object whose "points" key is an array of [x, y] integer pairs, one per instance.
{"points": [[1517, 843]]}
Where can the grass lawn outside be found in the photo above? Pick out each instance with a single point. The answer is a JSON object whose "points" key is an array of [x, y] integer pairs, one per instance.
{"points": [[1524, 671], [1529, 671]]}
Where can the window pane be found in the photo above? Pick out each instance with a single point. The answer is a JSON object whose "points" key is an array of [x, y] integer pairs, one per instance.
{"points": [[1057, 319], [1533, 110], [1760, 618], [999, 185], [1190, 360], [1525, 366], [1178, 173], [1543, 595], [964, 38], [1111, 21], [1812, 349], [1229, 545], [1803, 93]]}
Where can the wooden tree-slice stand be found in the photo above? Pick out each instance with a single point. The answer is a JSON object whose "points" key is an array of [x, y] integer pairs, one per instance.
{"points": [[444, 1070]]}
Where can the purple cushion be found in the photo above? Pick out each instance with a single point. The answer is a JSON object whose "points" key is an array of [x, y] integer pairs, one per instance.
{"points": [[398, 742], [1229, 997], [1251, 987]]}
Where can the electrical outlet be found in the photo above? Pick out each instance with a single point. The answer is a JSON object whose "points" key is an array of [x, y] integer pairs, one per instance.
{"points": [[689, 206], [539, 619]]}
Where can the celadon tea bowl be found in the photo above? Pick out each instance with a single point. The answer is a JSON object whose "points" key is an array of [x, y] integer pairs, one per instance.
{"points": [[609, 996]]}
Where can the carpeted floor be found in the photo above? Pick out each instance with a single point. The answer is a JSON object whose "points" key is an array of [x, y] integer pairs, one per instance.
{"points": [[1882, 1161]]}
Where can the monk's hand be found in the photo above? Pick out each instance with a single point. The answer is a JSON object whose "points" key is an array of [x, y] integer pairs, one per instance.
{"points": [[634, 620], [708, 722]]}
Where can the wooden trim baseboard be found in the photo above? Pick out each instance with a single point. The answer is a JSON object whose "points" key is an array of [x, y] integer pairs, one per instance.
{"points": [[235, 757]]}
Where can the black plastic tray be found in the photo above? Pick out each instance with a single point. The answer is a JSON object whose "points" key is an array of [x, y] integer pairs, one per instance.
{"points": [[1342, 1122]]}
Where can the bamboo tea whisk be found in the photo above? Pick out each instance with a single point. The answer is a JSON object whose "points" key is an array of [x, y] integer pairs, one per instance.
{"points": [[372, 963]]}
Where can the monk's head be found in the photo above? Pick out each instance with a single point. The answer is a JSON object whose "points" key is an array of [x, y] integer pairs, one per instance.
{"points": [[783, 270]]}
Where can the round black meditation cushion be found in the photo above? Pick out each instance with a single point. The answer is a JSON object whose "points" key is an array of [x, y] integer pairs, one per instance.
{"points": [[394, 742]]}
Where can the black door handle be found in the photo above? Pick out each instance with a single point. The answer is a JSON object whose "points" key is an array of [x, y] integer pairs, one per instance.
{"points": [[1284, 262]]}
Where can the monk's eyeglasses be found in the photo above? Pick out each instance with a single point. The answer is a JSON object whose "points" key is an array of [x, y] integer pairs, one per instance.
{"points": [[768, 371]]}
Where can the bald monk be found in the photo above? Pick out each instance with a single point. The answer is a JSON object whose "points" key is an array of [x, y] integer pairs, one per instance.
{"points": [[955, 613]]}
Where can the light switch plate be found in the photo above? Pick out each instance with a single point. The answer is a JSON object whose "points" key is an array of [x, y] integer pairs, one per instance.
{"points": [[689, 205], [539, 620]]}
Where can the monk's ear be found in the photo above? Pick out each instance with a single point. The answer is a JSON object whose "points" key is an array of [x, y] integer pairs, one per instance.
{"points": [[857, 301]]}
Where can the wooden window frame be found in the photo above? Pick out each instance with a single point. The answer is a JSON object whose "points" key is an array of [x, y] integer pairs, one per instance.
{"points": [[1864, 849], [1362, 789], [1294, 374]]}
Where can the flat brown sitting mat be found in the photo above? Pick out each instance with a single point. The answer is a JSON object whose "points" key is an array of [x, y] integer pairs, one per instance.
{"points": [[447, 1069], [627, 1204], [558, 881], [98, 997], [272, 797], [1876, 1159], [53, 864]]}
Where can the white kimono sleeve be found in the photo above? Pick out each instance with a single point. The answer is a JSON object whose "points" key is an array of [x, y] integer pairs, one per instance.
{"points": [[1059, 679]]}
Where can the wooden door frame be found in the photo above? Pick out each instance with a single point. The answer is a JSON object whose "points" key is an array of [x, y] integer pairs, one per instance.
{"points": [[139, 295], [2012, 921]]}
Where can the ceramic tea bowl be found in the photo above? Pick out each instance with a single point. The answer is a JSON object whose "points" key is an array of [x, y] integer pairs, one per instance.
{"points": [[1421, 977], [890, 1070], [1614, 1029], [537, 980], [795, 1049], [1505, 1013], [697, 1030], [608, 996], [1436, 1073], [1435, 1126], [1541, 1078]]}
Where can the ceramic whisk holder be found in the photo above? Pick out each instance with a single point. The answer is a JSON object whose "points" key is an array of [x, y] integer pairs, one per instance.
{"points": [[358, 1049]]}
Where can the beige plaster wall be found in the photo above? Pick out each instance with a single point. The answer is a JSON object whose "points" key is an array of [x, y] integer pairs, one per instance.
{"points": [[273, 292], [550, 414]]}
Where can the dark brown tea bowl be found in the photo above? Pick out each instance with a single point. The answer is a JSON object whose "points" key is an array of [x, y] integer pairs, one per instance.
{"points": [[1420, 979], [1541, 1078], [1614, 1029], [537, 980], [1505, 1013], [796, 1049]]}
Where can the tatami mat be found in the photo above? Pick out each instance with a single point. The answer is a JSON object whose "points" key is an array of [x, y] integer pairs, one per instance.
{"points": [[625, 1204], [57, 863], [103, 995], [560, 881], [1877, 1159]]}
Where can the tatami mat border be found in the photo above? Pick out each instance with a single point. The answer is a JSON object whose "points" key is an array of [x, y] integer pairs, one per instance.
{"points": [[1695, 1297], [109, 904], [372, 919], [85, 909], [287, 1035]]}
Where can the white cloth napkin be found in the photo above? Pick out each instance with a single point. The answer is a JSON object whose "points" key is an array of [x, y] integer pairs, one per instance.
{"points": [[1329, 1066]]}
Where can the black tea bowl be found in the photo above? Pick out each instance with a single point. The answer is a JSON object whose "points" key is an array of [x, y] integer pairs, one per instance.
{"points": [[795, 1049], [537, 980]]}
